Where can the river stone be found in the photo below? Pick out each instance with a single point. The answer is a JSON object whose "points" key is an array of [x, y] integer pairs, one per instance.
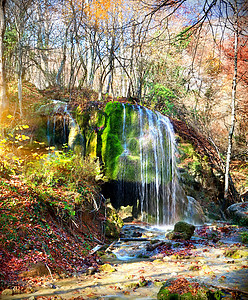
{"points": [[182, 230], [239, 212]]}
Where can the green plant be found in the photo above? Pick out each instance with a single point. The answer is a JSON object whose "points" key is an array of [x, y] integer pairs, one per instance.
{"points": [[12, 139], [77, 175], [244, 237], [162, 97], [183, 38]]}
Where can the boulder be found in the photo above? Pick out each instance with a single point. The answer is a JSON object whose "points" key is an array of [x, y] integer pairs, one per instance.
{"points": [[239, 212], [181, 289], [182, 230], [187, 289]]}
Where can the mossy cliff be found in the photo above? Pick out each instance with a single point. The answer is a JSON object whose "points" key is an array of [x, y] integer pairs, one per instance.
{"points": [[111, 138], [136, 149], [112, 133], [128, 148], [92, 124]]}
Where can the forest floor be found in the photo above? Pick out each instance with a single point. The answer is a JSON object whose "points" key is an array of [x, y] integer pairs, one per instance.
{"points": [[43, 259], [214, 257], [36, 239]]}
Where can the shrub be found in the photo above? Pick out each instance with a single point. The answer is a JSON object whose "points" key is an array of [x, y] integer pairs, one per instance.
{"points": [[65, 168], [244, 237]]}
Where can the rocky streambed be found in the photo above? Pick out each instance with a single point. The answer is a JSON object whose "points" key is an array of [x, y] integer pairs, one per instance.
{"points": [[143, 259]]}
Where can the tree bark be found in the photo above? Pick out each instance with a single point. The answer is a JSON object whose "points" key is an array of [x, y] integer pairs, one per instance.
{"points": [[233, 105], [3, 97], [19, 72]]}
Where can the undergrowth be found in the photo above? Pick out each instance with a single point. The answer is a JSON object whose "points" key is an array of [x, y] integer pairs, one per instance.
{"points": [[77, 176]]}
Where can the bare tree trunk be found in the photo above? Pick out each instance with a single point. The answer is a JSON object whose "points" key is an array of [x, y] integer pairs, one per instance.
{"points": [[111, 66], [19, 72], [3, 97], [233, 104]]}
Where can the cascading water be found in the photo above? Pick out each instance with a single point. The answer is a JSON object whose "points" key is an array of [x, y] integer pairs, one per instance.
{"points": [[61, 128], [137, 148], [149, 147]]}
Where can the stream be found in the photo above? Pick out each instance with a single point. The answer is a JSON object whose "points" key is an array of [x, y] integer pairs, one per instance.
{"points": [[135, 266]]}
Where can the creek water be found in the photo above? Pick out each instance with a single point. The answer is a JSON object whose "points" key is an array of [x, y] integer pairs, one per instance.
{"points": [[134, 261]]}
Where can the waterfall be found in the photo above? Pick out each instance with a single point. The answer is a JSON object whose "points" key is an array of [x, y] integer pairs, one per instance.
{"points": [[147, 166], [61, 128]]}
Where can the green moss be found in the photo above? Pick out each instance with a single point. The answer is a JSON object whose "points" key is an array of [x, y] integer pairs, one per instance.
{"points": [[111, 144], [92, 145], [236, 253], [113, 223], [165, 294], [111, 150], [82, 118]]}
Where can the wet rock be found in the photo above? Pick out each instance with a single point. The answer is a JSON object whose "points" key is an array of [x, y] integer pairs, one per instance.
{"points": [[195, 212], [7, 292], [151, 246], [113, 224], [91, 271], [213, 211], [239, 212], [137, 234], [182, 230]]}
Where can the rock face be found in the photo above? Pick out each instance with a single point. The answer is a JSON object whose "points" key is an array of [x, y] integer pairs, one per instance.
{"points": [[239, 212], [194, 212], [182, 230]]}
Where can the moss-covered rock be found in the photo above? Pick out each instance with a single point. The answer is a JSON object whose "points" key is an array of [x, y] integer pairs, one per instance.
{"points": [[236, 253], [182, 230], [181, 289], [239, 213], [113, 224]]}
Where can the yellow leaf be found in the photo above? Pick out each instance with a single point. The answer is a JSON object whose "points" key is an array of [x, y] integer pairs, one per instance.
{"points": [[25, 137], [9, 116]]}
